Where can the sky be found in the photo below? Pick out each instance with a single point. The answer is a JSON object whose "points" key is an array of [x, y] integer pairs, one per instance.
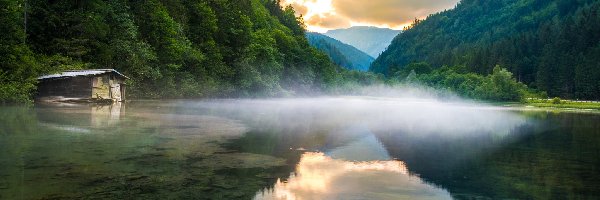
{"points": [[323, 15]]}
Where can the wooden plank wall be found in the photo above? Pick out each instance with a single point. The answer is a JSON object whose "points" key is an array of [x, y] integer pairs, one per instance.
{"points": [[107, 86], [73, 87], [84, 87], [101, 87]]}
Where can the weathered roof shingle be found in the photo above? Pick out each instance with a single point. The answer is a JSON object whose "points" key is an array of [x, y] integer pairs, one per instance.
{"points": [[73, 73]]}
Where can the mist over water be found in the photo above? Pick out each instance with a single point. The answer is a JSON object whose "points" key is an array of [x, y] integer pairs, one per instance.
{"points": [[416, 146], [354, 163], [411, 115]]}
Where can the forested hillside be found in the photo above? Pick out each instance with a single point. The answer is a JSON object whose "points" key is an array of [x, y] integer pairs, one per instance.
{"points": [[371, 40], [169, 48], [341, 54], [551, 45]]}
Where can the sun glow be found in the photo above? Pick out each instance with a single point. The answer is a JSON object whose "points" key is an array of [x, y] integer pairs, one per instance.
{"points": [[324, 15], [314, 8]]}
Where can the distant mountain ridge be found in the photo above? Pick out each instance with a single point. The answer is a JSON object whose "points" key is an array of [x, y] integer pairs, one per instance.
{"points": [[341, 54], [371, 40]]}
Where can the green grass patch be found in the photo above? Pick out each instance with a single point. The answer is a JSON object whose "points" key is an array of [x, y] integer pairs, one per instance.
{"points": [[557, 103]]}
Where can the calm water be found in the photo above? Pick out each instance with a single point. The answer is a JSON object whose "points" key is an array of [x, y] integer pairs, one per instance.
{"points": [[322, 148]]}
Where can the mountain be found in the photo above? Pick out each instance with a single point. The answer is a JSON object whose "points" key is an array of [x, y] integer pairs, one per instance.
{"points": [[371, 40], [169, 48], [342, 54], [551, 45]]}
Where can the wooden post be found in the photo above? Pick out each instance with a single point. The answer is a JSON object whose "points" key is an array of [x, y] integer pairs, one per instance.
{"points": [[122, 92]]}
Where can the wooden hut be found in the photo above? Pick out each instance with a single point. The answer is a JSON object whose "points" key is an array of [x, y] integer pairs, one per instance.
{"points": [[93, 85]]}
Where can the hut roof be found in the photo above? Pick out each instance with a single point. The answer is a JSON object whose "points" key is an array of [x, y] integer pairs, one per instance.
{"points": [[74, 73]]}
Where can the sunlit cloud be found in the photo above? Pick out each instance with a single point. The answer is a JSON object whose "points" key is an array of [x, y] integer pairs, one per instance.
{"points": [[323, 15]]}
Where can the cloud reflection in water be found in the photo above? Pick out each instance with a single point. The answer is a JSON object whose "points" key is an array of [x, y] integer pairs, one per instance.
{"points": [[319, 176], [360, 169]]}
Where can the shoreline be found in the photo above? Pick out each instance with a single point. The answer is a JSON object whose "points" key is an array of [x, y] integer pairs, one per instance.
{"points": [[565, 105], [559, 103]]}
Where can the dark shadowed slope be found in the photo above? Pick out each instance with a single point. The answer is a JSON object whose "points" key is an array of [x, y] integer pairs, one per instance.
{"points": [[342, 54], [371, 40], [550, 45]]}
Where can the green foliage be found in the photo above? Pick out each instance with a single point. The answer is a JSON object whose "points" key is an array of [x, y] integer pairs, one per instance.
{"points": [[352, 81], [15, 91], [417, 68], [559, 103], [501, 85], [169, 49], [556, 100], [18, 66], [498, 86], [549, 45]]}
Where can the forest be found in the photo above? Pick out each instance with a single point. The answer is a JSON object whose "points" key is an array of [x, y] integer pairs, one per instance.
{"points": [[500, 85], [257, 48], [169, 49], [550, 45], [340, 53]]}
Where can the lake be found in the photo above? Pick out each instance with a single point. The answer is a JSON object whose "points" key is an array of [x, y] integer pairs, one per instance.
{"points": [[305, 148]]}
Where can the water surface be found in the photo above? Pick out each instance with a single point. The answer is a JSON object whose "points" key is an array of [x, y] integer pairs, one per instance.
{"points": [[312, 148]]}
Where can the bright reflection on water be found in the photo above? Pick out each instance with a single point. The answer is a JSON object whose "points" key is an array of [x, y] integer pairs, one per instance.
{"points": [[307, 148], [363, 169], [321, 177]]}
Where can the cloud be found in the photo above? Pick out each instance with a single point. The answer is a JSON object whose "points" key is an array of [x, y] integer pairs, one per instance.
{"points": [[299, 8], [328, 20], [389, 11], [382, 13]]}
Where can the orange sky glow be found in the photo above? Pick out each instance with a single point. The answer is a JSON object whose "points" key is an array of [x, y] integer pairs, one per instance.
{"points": [[323, 15]]}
